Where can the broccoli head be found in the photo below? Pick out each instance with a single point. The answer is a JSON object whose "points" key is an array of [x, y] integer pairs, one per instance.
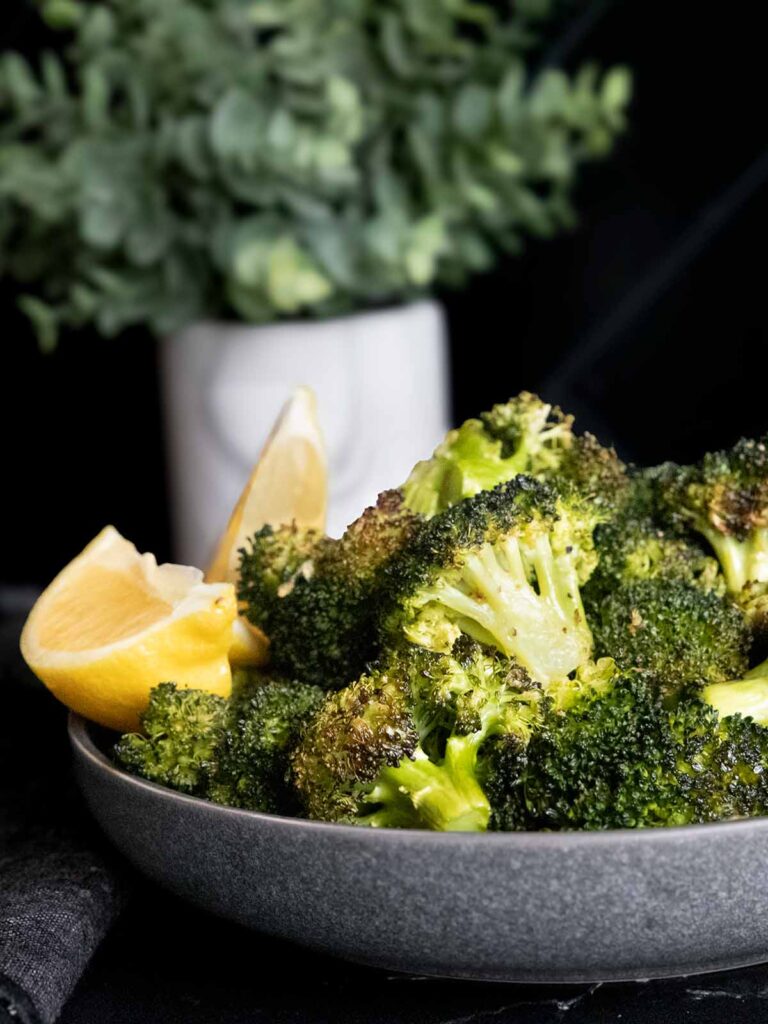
{"points": [[316, 598], [181, 733], [725, 499], [620, 758], [231, 751], [522, 436], [263, 723], [504, 567], [633, 548], [403, 745], [275, 559], [676, 631]]}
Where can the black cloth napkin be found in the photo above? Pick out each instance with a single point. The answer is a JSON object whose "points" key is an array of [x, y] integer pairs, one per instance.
{"points": [[59, 887]]}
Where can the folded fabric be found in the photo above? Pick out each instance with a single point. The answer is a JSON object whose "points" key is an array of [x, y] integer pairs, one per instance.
{"points": [[59, 889]]}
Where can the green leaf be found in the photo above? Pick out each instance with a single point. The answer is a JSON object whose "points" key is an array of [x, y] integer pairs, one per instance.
{"points": [[252, 305], [346, 118], [426, 243], [506, 161], [95, 98], [617, 88], [269, 13], [395, 47], [550, 95], [149, 236], [281, 130], [52, 73], [19, 80], [335, 247], [510, 94], [237, 127], [293, 280], [43, 319], [97, 28], [251, 255], [102, 225], [472, 110], [62, 14], [188, 144]]}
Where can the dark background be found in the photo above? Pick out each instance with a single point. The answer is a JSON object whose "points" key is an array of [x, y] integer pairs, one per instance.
{"points": [[647, 321]]}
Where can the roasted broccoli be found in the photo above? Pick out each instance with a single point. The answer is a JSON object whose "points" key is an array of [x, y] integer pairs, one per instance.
{"points": [[526, 635], [504, 567], [676, 631], [181, 731], [231, 751], [482, 453], [753, 601], [263, 723], [632, 548], [522, 436], [276, 558], [747, 697], [403, 746], [317, 598], [725, 499], [620, 758]]}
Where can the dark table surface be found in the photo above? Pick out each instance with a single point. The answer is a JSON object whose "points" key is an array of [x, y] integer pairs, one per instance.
{"points": [[166, 963]]}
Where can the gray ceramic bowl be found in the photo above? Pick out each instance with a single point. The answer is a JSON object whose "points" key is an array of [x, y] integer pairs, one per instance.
{"points": [[527, 907]]}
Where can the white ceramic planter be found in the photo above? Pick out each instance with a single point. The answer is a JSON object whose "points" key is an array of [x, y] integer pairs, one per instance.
{"points": [[381, 380]]}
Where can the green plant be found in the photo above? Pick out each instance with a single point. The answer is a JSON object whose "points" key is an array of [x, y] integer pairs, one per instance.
{"points": [[267, 158]]}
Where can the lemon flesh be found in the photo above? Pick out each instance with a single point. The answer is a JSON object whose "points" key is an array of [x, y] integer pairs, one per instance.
{"points": [[114, 623], [288, 484]]}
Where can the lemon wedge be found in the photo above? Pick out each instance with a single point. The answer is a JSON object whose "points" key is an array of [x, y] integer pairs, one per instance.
{"points": [[289, 483], [114, 623]]}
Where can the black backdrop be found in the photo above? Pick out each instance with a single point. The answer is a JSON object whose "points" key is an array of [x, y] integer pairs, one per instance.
{"points": [[648, 320]]}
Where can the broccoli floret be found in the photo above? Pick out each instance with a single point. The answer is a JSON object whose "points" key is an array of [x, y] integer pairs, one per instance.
{"points": [[181, 733], [753, 601], [276, 557], [317, 601], [725, 499], [231, 751], [402, 746], [503, 567], [263, 723], [522, 436], [593, 472], [677, 632], [621, 758], [632, 548]]}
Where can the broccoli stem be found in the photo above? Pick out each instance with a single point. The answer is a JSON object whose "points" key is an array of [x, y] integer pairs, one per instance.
{"points": [[542, 626], [446, 797], [745, 697], [742, 561]]}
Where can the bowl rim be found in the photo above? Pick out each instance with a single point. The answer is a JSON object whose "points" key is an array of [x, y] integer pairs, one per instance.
{"points": [[82, 742]]}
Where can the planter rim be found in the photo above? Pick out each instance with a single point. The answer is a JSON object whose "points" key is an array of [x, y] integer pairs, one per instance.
{"points": [[295, 323]]}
